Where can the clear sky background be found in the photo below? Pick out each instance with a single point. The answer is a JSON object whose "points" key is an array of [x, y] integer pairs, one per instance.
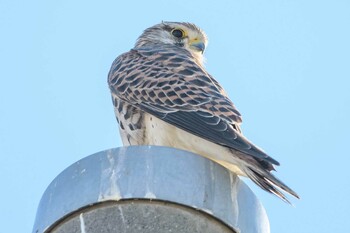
{"points": [[285, 64]]}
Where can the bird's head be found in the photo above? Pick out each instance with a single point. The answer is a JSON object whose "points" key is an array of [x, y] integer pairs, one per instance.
{"points": [[184, 35]]}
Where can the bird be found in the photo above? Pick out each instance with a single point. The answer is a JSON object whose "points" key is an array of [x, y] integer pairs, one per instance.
{"points": [[163, 96]]}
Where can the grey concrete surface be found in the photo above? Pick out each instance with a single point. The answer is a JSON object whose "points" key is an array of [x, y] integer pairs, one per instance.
{"points": [[141, 216]]}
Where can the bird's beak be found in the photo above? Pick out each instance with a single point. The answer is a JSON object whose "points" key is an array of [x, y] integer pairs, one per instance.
{"points": [[197, 45]]}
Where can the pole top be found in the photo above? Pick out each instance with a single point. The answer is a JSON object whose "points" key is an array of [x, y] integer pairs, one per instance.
{"points": [[156, 173]]}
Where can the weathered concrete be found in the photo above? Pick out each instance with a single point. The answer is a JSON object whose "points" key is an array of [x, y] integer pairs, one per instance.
{"points": [[141, 216]]}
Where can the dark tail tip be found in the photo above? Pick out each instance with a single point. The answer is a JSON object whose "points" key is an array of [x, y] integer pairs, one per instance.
{"points": [[271, 184]]}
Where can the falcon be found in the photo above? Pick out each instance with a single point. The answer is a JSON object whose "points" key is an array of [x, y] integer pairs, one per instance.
{"points": [[163, 96]]}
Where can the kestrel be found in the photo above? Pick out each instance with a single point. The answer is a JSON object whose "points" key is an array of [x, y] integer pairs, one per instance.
{"points": [[163, 95]]}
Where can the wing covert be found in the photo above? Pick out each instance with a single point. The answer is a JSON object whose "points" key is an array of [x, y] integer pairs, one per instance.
{"points": [[172, 87]]}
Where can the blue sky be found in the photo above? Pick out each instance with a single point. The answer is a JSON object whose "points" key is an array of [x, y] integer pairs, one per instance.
{"points": [[285, 64]]}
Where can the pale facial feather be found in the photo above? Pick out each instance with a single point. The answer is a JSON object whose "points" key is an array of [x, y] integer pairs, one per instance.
{"points": [[161, 34]]}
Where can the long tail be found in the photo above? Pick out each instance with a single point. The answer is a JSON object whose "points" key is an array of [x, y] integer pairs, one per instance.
{"points": [[269, 183]]}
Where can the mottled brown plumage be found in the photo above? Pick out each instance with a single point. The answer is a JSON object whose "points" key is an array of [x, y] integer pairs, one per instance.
{"points": [[163, 96]]}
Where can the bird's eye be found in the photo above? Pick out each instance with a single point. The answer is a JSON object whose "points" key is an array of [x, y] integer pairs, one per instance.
{"points": [[178, 33]]}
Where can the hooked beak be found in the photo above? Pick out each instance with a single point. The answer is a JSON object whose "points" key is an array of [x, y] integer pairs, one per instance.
{"points": [[197, 45]]}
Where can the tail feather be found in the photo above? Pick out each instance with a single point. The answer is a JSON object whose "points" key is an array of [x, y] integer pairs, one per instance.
{"points": [[270, 183]]}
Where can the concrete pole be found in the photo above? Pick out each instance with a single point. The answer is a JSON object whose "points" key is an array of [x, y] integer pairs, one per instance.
{"points": [[149, 189]]}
